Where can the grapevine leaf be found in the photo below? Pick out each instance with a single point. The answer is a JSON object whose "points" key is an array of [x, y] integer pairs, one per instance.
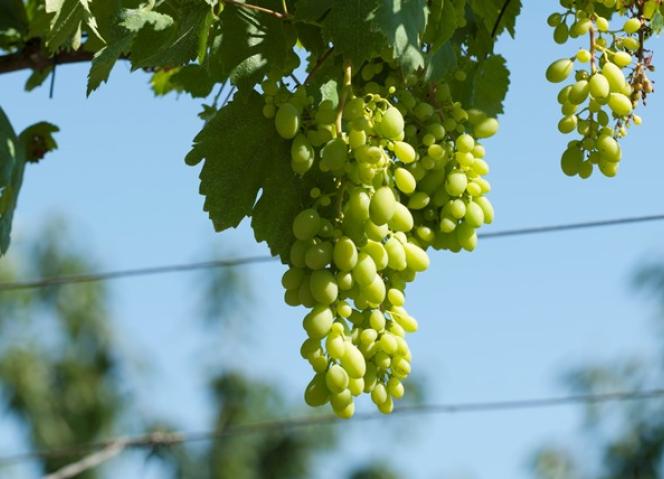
{"points": [[488, 10], [175, 45], [250, 43], [36, 78], [347, 26], [13, 21], [194, 79], [134, 19], [12, 167], [311, 10], [238, 145], [442, 23], [491, 81], [37, 140], [440, 63], [401, 21], [104, 60], [65, 26]]}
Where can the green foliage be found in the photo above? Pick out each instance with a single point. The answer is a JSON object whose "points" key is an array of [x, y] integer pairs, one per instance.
{"points": [[192, 46]]}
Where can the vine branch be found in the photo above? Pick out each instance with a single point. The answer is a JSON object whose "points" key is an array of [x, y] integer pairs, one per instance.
{"points": [[34, 57], [319, 63]]}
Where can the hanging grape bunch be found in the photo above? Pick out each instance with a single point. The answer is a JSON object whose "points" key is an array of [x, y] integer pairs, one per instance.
{"points": [[406, 169], [612, 78]]}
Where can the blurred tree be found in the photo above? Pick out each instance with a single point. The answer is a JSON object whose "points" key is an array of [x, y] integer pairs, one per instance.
{"points": [[627, 438], [58, 368]]}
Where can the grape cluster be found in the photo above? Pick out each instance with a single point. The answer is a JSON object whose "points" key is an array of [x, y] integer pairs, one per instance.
{"points": [[406, 174], [612, 78]]}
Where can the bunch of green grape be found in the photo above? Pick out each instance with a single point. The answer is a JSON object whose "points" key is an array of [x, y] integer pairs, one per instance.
{"points": [[608, 84], [406, 174]]}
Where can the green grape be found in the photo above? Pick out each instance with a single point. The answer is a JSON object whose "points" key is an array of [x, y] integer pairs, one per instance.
{"points": [[358, 204], [396, 255], [486, 128], [334, 154], [402, 220], [336, 379], [395, 388], [559, 70], [614, 75], [466, 236], [456, 183], [583, 55], [561, 33], [375, 291], [404, 180], [404, 152], [474, 215], [579, 92], [487, 209], [306, 224], [364, 271], [318, 322], [345, 254], [353, 362], [292, 279], [599, 86], [319, 255], [567, 124], [609, 149], [391, 124], [316, 392], [376, 250], [302, 154], [416, 257], [622, 59], [382, 206], [620, 104], [292, 297], [287, 121], [324, 288]]}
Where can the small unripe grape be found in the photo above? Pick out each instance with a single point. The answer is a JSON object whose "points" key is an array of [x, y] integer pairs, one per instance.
{"points": [[404, 152], [395, 297], [456, 183], [485, 128], [602, 24], [416, 258], [583, 55], [465, 143], [336, 379], [391, 124], [402, 220], [353, 362], [632, 25], [292, 278], [559, 70], [364, 271], [567, 124], [382, 206], [323, 287], [287, 121], [306, 224], [404, 180], [620, 104], [614, 75], [396, 254], [622, 59], [474, 215], [599, 86], [579, 92], [316, 392], [345, 254], [487, 208], [318, 322], [318, 255], [561, 33], [554, 19], [581, 27], [630, 43]]}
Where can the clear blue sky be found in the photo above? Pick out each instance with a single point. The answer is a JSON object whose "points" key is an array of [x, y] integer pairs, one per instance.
{"points": [[499, 323]]}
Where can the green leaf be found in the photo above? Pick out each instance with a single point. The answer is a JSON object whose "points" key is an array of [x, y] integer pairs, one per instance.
{"points": [[491, 81], [311, 10], [193, 79], [37, 140], [37, 78], [104, 60], [66, 23], [487, 11], [13, 21], [441, 63], [12, 167], [443, 22], [238, 145], [401, 22], [134, 19], [251, 44], [175, 45], [348, 27]]}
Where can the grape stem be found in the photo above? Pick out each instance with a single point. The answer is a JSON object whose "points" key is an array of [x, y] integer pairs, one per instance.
{"points": [[319, 63], [593, 66], [345, 90]]}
